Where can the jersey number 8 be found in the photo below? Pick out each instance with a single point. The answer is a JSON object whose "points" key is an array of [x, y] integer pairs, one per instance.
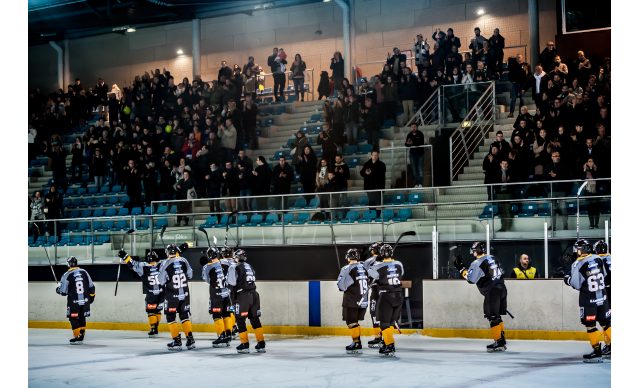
{"points": [[595, 282], [79, 287], [179, 281]]}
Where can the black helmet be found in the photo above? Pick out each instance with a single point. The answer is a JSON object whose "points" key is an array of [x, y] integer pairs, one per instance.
{"points": [[353, 254], [172, 249], [374, 249], [386, 250], [72, 262], [226, 252], [212, 253], [582, 245], [478, 247], [240, 255], [152, 256], [600, 247]]}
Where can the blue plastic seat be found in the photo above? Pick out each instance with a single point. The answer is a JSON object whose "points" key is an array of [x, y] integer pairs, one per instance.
{"points": [[363, 200], [111, 212], [112, 200], [489, 211], [415, 198], [271, 219], [364, 148], [398, 199], [528, 210], [121, 225], [136, 211], [278, 155], [349, 149], [302, 219], [173, 209], [353, 162], [142, 224], [161, 222], [105, 190], [256, 219], [63, 241], [98, 213], [74, 213], [298, 204], [89, 201], [71, 191], [92, 190], [403, 214], [210, 222], [116, 189], [99, 201], [223, 221], [81, 191], [123, 211], [52, 240], [314, 203], [386, 215], [86, 213], [105, 226], [351, 217], [69, 226], [544, 209], [368, 216], [76, 240], [162, 209], [103, 238], [288, 218], [572, 208]]}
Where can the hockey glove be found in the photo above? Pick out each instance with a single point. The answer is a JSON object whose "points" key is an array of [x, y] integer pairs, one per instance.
{"points": [[122, 254], [58, 290], [457, 262], [183, 247], [567, 280]]}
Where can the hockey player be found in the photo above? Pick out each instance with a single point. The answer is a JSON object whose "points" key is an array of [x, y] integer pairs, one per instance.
{"points": [[77, 286], [242, 277], [374, 256], [388, 274], [219, 300], [602, 250], [486, 273], [588, 274], [154, 292], [353, 282], [175, 273], [227, 261]]}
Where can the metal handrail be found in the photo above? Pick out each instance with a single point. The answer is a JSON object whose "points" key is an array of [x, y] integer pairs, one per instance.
{"points": [[427, 110], [406, 150], [473, 128]]}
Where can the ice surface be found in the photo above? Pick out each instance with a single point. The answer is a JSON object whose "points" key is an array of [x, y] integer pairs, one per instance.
{"points": [[129, 358]]}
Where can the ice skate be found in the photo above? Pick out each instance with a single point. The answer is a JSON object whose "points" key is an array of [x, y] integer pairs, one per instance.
{"points": [[221, 342], [387, 350], [593, 357], [261, 347], [497, 346], [77, 340], [375, 343], [153, 332], [606, 352], [176, 344], [354, 348], [191, 343], [243, 348]]}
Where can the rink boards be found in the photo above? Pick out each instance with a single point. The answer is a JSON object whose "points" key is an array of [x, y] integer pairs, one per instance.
{"points": [[543, 309]]}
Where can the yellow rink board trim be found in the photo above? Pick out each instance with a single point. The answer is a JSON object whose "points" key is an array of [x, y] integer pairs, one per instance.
{"points": [[338, 331]]}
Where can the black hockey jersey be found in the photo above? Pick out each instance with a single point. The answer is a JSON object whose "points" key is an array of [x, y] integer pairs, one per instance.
{"points": [[242, 277], [353, 282], [77, 285], [606, 258], [213, 273], [388, 274], [587, 276], [485, 272], [175, 274], [149, 275]]}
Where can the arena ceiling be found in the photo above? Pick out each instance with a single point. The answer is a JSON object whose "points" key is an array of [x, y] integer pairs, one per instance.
{"points": [[55, 20]]}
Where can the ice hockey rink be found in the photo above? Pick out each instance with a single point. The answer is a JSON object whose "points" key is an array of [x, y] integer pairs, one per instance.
{"points": [[129, 358]]}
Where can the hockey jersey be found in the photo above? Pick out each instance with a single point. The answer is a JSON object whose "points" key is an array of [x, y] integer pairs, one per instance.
{"points": [[388, 274], [175, 274], [485, 272], [353, 282], [242, 277], [587, 276], [77, 285], [607, 264], [149, 275], [213, 273]]}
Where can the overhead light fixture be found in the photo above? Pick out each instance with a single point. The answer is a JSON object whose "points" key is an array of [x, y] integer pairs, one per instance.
{"points": [[480, 11], [179, 52], [131, 29], [326, 1]]}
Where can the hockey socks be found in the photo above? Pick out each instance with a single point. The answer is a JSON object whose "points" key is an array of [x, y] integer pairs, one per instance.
{"points": [[496, 332], [186, 327], [153, 320], [244, 337], [76, 332], [259, 332], [594, 336], [228, 322], [607, 336], [218, 325], [387, 335], [355, 333], [377, 332], [502, 328], [232, 318], [173, 329]]}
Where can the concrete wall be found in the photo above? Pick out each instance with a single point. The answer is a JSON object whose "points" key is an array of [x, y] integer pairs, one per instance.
{"points": [[314, 31], [536, 305]]}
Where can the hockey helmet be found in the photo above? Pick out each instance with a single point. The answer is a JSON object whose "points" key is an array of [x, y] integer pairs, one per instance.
{"points": [[386, 251], [600, 247], [374, 249], [240, 255], [72, 262], [226, 252], [212, 253], [478, 247], [353, 254], [152, 256], [582, 245], [172, 249]]}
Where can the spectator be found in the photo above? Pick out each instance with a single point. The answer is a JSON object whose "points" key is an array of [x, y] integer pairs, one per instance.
{"points": [[53, 210], [58, 163], [100, 91], [476, 44], [342, 173], [524, 270], [337, 122], [77, 157], [390, 93], [327, 142], [298, 68], [214, 181], [230, 185], [589, 174], [374, 174], [324, 89], [502, 144], [547, 57], [278, 69], [185, 190], [132, 178], [282, 177], [307, 168], [584, 68], [518, 75], [251, 71], [98, 168], [407, 93], [228, 136], [36, 206], [224, 73], [540, 155], [451, 41], [453, 60], [321, 174], [245, 160], [298, 147], [261, 182], [245, 184], [469, 76], [371, 122], [490, 166], [496, 46], [394, 62], [440, 50], [415, 139], [249, 115], [503, 194], [556, 171], [559, 68], [150, 177], [421, 53], [538, 84], [337, 68]]}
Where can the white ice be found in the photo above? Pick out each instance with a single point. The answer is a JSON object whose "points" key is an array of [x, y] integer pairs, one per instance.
{"points": [[130, 359]]}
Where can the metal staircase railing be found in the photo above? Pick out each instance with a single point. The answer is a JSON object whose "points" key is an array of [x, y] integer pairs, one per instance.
{"points": [[471, 132], [429, 111]]}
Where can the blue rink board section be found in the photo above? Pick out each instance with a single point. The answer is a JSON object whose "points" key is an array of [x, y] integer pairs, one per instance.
{"points": [[131, 359], [314, 303]]}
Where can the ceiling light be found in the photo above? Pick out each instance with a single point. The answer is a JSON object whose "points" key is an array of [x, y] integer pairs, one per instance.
{"points": [[131, 29], [326, 1], [179, 52], [480, 11]]}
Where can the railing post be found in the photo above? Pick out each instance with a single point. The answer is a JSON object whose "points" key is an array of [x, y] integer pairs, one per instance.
{"points": [[488, 237], [434, 252], [606, 233], [450, 160], [92, 241], [546, 251]]}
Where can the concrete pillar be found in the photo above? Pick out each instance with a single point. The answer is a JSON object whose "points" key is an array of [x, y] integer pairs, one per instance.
{"points": [[534, 38], [60, 55], [67, 65], [346, 33], [195, 47]]}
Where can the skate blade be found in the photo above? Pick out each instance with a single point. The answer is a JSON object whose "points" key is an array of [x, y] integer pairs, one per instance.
{"points": [[225, 345], [175, 349], [75, 343], [261, 350], [593, 361], [153, 335], [354, 351], [387, 354], [190, 347], [374, 346], [243, 351]]}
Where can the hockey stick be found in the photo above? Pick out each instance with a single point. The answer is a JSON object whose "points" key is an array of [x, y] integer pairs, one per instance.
{"points": [[47, 253], [162, 235], [578, 209], [335, 245], [203, 230], [124, 238], [226, 233], [511, 315], [407, 233]]}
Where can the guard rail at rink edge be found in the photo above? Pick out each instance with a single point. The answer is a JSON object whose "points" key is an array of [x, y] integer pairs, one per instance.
{"points": [[532, 210]]}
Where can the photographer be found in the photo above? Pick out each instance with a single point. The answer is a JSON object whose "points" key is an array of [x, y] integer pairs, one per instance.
{"points": [[421, 53]]}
